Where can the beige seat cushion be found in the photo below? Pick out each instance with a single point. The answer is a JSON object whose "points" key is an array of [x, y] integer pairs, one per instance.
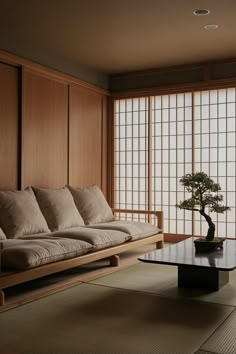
{"points": [[36, 251], [58, 208], [2, 235], [136, 230], [98, 238], [92, 205], [20, 214]]}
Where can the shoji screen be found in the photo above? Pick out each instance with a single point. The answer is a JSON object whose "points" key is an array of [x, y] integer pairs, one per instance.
{"points": [[171, 158], [214, 151], [131, 154], [158, 139]]}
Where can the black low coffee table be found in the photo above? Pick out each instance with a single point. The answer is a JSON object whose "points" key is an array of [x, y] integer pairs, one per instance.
{"points": [[205, 271]]}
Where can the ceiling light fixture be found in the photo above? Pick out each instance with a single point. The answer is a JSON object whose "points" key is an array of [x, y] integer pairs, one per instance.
{"points": [[201, 12], [211, 27]]}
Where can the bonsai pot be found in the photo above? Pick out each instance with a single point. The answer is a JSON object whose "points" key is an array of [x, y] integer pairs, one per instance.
{"points": [[203, 246]]}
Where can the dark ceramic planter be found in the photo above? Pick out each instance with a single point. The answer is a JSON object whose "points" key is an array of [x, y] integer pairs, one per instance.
{"points": [[203, 246]]}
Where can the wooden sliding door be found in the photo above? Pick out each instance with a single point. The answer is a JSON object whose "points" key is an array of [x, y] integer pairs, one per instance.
{"points": [[53, 128], [45, 132], [9, 126], [86, 143]]}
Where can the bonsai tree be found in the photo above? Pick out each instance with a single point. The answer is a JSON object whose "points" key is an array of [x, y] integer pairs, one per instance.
{"points": [[204, 194]]}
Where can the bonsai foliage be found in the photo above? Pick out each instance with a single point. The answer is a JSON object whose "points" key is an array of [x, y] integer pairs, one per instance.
{"points": [[205, 194]]}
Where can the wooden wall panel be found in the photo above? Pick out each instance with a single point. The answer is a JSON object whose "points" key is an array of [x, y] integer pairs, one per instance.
{"points": [[104, 145], [44, 132], [85, 137], [9, 126]]}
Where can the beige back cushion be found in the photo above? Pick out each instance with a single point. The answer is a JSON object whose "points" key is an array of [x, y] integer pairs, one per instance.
{"points": [[92, 205], [58, 208], [20, 214], [2, 235]]}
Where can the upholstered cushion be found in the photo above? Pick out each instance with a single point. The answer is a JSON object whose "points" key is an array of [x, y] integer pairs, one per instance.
{"points": [[20, 214], [92, 205], [36, 251], [136, 230], [98, 238], [58, 208], [2, 235]]}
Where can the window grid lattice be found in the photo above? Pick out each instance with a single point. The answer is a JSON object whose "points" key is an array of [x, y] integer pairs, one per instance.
{"points": [[189, 132], [214, 151], [131, 156], [171, 158]]}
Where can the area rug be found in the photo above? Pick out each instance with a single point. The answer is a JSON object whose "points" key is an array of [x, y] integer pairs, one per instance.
{"points": [[162, 280], [91, 318]]}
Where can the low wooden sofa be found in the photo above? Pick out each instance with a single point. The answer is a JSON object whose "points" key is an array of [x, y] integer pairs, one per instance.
{"points": [[78, 228]]}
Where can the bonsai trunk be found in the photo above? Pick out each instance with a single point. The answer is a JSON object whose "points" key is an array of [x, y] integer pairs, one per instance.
{"points": [[211, 229]]}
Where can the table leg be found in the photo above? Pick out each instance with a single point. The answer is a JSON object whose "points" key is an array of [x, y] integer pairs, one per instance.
{"points": [[202, 278], [2, 298]]}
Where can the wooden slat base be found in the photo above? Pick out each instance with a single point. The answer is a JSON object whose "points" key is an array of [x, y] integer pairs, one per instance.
{"points": [[11, 278]]}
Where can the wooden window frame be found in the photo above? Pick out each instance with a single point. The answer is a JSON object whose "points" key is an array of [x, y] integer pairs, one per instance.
{"points": [[154, 92]]}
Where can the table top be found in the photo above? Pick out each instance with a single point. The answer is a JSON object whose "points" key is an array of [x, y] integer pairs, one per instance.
{"points": [[183, 253]]}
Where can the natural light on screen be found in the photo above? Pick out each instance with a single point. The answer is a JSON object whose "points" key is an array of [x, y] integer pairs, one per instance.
{"points": [[158, 139]]}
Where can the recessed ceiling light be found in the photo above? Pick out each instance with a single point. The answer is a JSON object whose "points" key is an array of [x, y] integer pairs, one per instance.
{"points": [[211, 27], [201, 12]]}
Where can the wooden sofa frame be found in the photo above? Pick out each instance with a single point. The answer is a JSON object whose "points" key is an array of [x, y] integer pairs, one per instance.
{"points": [[11, 278]]}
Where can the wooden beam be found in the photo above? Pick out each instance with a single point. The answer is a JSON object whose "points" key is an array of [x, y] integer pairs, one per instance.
{"points": [[176, 88], [45, 71]]}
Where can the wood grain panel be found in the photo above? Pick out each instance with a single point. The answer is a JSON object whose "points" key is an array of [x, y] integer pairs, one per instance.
{"points": [[110, 151], [45, 71], [104, 145], [85, 137], [9, 125], [45, 132]]}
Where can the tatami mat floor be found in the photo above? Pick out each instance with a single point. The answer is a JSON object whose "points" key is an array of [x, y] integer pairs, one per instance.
{"points": [[139, 307]]}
